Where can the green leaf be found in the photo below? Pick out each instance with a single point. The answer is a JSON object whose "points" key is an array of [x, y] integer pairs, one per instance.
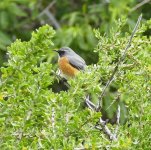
{"points": [[4, 19], [16, 10], [4, 40]]}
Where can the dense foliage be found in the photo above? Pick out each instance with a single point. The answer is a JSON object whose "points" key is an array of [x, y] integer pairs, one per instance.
{"points": [[38, 110], [36, 117]]}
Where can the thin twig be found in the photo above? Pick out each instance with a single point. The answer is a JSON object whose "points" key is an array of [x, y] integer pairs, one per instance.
{"points": [[120, 61], [117, 121], [47, 8], [53, 120], [89, 103], [97, 127], [107, 131], [50, 15], [52, 19], [116, 99], [139, 5], [103, 125]]}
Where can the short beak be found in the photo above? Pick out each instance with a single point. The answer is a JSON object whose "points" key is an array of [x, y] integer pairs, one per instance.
{"points": [[55, 51]]}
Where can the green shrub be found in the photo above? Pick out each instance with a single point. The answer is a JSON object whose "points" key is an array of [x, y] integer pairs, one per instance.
{"points": [[34, 117]]}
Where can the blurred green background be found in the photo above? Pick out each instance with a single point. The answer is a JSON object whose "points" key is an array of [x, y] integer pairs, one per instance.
{"points": [[73, 20]]}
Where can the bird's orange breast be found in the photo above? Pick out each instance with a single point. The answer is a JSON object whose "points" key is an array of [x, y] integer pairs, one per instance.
{"points": [[66, 67]]}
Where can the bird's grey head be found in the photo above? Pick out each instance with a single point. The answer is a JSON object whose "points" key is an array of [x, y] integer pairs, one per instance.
{"points": [[64, 51]]}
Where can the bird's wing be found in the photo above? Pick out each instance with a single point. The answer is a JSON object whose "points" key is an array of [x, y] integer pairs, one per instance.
{"points": [[77, 62]]}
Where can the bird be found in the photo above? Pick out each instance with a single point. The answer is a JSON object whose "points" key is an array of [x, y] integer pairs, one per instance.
{"points": [[70, 63]]}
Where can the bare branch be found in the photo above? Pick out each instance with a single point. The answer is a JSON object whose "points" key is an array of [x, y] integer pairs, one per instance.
{"points": [[117, 121], [47, 8], [89, 103], [139, 5], [50, 15], [107, 131], [120, 60], [102, 123], [52, 19]]}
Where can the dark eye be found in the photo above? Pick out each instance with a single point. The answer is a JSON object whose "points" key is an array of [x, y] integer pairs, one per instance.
{"points": [[61, 53]]}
